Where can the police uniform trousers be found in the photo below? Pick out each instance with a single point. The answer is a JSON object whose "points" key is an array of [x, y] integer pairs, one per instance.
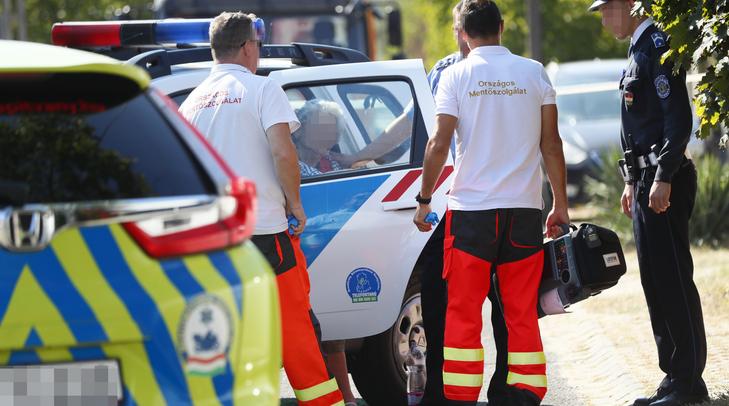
{"points": [[433, 299], [302, 355], [666, 273], [476, 241]]}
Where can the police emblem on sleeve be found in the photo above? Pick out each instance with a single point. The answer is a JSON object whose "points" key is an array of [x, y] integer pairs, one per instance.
{"points": [[204, 336], [663, 87], [658, 40]]}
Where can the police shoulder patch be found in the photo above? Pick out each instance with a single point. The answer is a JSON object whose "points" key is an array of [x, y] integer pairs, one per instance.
{"points": [[663, 86], [659, 41]]}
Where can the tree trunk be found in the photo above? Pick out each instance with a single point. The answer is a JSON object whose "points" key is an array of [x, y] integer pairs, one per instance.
{"points": [[534, 40]]}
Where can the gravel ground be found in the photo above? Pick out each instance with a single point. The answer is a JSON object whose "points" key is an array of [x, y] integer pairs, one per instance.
{"points": [[603, 353]]}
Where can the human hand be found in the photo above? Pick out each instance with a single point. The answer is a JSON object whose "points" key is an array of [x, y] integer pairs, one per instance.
{"points": [[419, 219], [360, 164], [626, 201], [659, 198], [347, 161], [297, 212], [557, 217]]}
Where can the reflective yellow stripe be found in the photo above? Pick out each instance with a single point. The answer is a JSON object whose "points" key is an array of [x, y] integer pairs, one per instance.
{"points": [[470, 380], [526, 358], [169, 301], [29, 308], [538, 381], [54, 354], [82, 270], [462, 354], [136, 372], [340, 403], [316, 391]]}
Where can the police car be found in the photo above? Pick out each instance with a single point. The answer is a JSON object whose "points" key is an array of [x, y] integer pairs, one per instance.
{"points": [[361, 246], [126, 274]]}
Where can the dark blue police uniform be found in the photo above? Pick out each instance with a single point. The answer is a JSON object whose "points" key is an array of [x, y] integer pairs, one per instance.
{"points": [[656, 116], [434, 303]]}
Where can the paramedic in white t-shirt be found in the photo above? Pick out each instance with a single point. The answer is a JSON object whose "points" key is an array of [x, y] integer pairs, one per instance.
{"points": [[503, 108], [249, 121]]}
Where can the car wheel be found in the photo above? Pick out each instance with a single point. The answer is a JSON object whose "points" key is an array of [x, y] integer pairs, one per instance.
{"points": [[378, 369]]}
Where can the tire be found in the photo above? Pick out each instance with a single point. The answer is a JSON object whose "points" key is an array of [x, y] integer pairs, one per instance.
{"points": [[378, 369]]}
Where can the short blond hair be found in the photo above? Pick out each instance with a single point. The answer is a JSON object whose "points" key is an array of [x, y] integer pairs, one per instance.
{"points": [[228, 31]]}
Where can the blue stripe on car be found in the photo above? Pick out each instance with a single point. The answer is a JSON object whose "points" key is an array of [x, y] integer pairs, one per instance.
{"points": [[77, 314], [161, 351], [11, 269], [227, 270], [329, 206]]}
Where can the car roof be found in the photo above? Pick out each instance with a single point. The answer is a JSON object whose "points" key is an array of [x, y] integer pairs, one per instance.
{"points": [[29, 57], [584, 72]]}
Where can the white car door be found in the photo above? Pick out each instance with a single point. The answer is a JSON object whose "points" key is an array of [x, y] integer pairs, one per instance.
{"points": [[360, 242]]}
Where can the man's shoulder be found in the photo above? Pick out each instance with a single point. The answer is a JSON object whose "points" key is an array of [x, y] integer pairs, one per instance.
{"points": [[653, 42], [447, 61]]}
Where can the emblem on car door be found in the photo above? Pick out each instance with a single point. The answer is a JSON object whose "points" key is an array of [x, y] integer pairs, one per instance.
{"points": [[26, 229]]}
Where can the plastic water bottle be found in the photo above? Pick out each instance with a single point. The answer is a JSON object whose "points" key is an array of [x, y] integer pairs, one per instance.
{"points": [[416, 374], [293, 223], [432, 218]]}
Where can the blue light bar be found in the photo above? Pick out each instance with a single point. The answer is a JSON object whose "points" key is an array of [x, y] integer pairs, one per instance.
{"points": [[182, 31]]}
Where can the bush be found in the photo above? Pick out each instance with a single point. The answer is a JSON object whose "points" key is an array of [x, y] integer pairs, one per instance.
{"points": [[710, 219]]}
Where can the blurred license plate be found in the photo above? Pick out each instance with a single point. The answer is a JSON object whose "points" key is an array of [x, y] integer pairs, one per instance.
{"points": [[95, 382]]}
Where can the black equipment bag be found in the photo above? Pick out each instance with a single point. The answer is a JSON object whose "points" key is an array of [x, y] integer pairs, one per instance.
{"points": [[577, 265]]}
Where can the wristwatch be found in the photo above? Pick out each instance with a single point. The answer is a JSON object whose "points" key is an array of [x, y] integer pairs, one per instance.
{"points": [[422, 200]]}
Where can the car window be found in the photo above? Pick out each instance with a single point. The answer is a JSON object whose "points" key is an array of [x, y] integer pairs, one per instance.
{"points": [[350, 127], [81, 137]]}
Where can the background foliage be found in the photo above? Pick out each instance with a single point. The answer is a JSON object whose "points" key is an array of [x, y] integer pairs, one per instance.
{"points": [[699, 31], [570, 32], [41, 14]]}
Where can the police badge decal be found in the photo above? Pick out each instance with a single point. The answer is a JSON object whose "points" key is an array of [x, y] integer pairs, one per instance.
{"points": [[663, 87], [204, 336]]}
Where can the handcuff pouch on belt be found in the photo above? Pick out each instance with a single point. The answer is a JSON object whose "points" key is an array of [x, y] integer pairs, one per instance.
{"points": [[632, 166]]}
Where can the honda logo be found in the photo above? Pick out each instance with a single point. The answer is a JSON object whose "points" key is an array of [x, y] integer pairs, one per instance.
{"points": [[26, 229]]}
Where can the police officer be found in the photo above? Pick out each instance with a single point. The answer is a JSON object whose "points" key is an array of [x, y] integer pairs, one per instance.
{"points": [[433, 291], [659, 196]]}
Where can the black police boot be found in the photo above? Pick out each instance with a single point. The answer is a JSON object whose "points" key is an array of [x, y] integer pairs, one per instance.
{"points": [[664, 388], [683, 394], [676, 398]]}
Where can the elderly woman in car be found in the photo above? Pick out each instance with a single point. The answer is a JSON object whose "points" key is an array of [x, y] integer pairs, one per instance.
{"points": [[321, 126]]}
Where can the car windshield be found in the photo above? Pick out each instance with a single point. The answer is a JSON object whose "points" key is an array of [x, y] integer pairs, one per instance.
{"points": [[81, 137], [589, 106]]}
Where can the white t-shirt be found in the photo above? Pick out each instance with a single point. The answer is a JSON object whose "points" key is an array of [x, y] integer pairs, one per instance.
{"points": [[233, 108], [497, 98]]}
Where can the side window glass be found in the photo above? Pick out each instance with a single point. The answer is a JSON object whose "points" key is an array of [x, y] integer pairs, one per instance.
{"points": [[352, 126]]}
